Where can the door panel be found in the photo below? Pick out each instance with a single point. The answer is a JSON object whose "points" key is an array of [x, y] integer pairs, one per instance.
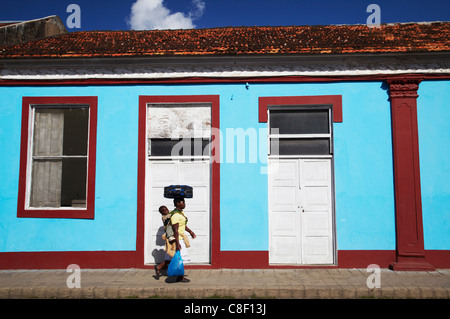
{"points": [[315, 185], [284, 235], [300, 212], [163, 173], [317, 250]]}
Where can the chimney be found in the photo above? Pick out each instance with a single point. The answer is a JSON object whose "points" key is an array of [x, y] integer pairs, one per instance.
{"points": [[15, 33]]}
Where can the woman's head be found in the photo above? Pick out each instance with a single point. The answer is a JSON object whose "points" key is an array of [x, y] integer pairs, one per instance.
{"points": [[179, 202]]}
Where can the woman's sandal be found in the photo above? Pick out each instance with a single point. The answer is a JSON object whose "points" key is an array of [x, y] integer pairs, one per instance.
{"points": [[184, 279], [158, 272]]}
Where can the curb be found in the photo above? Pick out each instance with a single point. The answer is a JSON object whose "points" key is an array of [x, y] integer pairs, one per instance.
{"points": [[205, 293]]}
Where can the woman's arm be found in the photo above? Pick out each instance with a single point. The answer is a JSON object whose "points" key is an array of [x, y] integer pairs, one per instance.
{"points": [[191, 232]]}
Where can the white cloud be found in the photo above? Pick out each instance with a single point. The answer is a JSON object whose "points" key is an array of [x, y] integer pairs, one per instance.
{"points": [[199, 8], [152, 14]]}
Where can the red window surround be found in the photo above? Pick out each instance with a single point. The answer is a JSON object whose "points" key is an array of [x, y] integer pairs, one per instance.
{"points": [[334, 100], [82, 213]]}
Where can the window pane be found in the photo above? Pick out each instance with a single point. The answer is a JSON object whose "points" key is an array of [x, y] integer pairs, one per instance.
{"points": [[46, 183], [76, 122], [59, 183], [291, 146], [48, 132], [62, 131], [300, 121], [58, 179], [73, 182], [179, 120], [181, 147]]}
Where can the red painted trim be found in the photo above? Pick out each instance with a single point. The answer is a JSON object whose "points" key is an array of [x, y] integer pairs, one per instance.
{"points": [[364, 258], [140, 230], [383, 258], [408, 205], [228, 259], [438, 258], [62, 259], [215, 170], [334, 100], [191, 80], [244, 259], [346, 259], [87, 213]]}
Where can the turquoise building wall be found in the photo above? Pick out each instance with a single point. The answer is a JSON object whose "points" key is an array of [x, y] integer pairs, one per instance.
{"points": [[364, 193], [433, 112]]}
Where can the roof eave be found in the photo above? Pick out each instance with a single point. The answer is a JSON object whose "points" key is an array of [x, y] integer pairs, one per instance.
{"points": [[83, 62]]}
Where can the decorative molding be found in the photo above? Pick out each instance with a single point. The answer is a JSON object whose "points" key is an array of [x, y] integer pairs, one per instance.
{"points": [[334, 100], [404, 87], [212, 69]]}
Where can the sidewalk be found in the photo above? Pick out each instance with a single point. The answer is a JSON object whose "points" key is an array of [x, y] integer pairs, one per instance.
{"points": [[228, 283]]}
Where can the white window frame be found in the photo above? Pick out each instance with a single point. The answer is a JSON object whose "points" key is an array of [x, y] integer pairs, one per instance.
{"points": [[31, 158]]}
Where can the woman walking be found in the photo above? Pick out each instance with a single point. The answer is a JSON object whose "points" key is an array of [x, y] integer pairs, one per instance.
{"points": [[179, 225]]}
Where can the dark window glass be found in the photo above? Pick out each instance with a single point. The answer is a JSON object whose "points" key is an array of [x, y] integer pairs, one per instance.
{"points": [[294, 146], [300, 121], [180, 147], [76, 122], [73, 182]]}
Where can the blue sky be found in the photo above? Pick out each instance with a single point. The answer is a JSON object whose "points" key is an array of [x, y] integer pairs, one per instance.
{"points": [[173, 14]]}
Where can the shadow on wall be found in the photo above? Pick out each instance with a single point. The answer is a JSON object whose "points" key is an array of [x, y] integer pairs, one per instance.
{"points": [[159, 254]]}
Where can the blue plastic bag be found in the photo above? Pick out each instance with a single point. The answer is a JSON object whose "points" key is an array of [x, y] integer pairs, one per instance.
{"points": [[176, 266]]}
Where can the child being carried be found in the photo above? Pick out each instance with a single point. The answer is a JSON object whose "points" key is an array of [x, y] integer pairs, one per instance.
{"points": [[166, 222]]}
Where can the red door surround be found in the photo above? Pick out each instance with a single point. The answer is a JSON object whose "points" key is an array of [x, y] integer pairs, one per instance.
{"points": [[410, 254]]}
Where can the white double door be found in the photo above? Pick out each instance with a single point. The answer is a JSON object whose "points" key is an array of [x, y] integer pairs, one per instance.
{"points": [[300, 211], [161, 173]]}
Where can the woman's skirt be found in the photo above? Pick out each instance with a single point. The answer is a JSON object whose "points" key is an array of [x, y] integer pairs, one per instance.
{"points": [[184, 253]]}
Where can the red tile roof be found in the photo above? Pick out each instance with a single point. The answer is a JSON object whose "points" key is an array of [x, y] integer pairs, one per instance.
{"points": [[332, 39]]}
